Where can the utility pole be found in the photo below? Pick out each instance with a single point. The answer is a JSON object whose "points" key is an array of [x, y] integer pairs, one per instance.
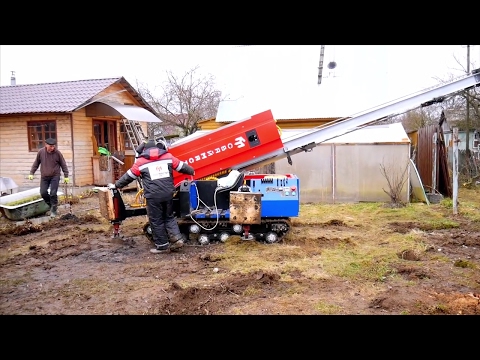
{"points": [[320, 64], [467, 134]]}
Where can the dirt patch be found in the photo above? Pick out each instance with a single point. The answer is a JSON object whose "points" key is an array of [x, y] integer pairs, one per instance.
{"points": [[73, 265]]}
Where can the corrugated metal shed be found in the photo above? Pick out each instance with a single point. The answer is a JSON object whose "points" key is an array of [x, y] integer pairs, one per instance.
{"points": [[348, 168]]}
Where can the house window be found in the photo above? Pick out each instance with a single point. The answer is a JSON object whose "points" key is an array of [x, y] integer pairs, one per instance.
{"points": [[126, 139], [38, 132]]}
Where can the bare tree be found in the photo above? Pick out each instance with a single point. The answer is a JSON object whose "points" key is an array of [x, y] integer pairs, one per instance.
{"points": [[396, 180], [419, 117], [455, 104], [458, 104], [183, 102]]}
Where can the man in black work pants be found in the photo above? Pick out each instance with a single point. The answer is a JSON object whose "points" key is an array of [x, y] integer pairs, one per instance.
{"points": [[51, 161]]}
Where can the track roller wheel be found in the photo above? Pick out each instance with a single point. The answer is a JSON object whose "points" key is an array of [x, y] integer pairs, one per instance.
{"points": [[203, 239], [271, 237], [224, 236]]}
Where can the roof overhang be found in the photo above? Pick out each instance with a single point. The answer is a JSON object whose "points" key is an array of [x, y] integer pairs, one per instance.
{"points": [[130, 112]]}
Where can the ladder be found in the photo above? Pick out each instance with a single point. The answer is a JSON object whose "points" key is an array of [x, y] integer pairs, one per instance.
{"points": [[134, 131], [136, 136]]}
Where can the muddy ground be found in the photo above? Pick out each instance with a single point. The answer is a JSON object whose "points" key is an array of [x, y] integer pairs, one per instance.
{"points": [[72, 265]]}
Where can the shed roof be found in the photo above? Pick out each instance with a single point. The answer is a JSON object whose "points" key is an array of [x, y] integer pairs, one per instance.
{"points": [[372, 134]]}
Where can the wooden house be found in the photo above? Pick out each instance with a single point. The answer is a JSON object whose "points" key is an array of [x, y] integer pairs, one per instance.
{"points": [[82, 116]]}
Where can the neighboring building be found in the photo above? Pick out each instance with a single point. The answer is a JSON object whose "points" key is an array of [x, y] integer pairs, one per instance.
{"points": [[452, 119], [283, 124], [82, 116]]}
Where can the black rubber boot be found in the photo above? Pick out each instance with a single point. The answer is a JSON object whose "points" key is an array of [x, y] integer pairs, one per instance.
{"points": [[53, 211]]}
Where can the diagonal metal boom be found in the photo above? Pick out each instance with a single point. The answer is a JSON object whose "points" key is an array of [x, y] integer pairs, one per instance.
{"points": [[310, 138]]}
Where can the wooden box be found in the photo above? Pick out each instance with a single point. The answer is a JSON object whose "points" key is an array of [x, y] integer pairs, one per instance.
{"points": [[105, 199], [103, 173], [245, 207]]}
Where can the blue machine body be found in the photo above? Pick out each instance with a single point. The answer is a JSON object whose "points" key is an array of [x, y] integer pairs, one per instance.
{"points": [[207, 200], [280, 194]]}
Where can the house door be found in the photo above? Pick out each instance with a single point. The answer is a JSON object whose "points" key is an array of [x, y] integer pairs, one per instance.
{"points": [[105, 169], [105, 134]]}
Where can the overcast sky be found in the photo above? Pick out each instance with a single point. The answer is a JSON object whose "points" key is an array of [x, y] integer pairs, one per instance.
{"points": [[281, 78]]}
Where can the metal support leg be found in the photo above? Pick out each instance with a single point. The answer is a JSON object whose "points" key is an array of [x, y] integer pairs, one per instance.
{"points": [[116, 230]]}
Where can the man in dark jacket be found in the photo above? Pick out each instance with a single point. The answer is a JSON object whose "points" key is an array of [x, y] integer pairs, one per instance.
{"points": [[50, 160], [155, 167]]}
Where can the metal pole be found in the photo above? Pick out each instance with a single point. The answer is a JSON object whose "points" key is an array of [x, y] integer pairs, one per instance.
{"points": [[434, 165], [320, 64], [455, 170], [467, 135]]}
